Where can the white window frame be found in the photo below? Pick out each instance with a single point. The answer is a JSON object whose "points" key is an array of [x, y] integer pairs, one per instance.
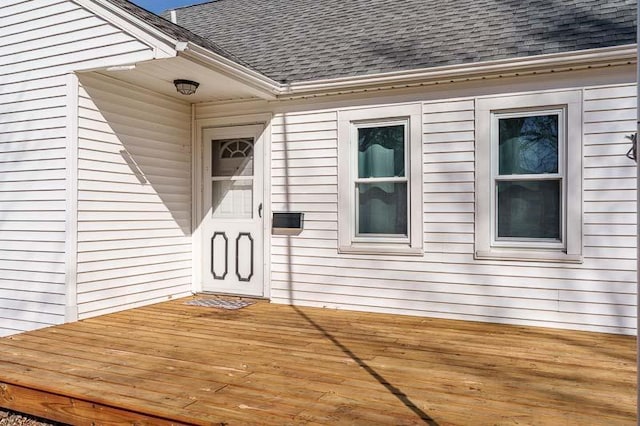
{"points": [[349, 121], [377, 238], [496, 177], [568, 106]]}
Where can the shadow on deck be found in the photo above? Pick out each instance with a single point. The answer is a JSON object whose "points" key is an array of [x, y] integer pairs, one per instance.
{"points": [[274, 364]]}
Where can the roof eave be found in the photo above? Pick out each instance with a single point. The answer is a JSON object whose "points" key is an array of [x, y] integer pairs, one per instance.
{"points": [[167, 46], [566, 61], [262, 86]]}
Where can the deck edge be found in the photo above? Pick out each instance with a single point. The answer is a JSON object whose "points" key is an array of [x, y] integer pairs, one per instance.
{"points": [[73, 410]]}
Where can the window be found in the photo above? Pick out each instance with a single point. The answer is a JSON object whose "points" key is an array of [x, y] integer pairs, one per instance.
{"points": [[529, 179], [232, 178], [380, 174], [381, 184]]}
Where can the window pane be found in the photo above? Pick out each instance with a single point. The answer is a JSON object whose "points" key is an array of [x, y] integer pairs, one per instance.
{"points": [[232, 157], [528, 145], [232, 199], [529, 209], [382, 208], [381, 151]]}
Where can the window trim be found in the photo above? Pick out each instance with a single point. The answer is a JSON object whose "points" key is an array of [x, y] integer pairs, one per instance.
{"points": [[488, 110], [348, 123]]}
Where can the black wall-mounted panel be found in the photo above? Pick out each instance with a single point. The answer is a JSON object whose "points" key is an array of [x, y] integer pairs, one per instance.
{"points": [[288, 220]]}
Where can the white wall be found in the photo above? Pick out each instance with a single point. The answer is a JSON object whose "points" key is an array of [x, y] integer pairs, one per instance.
{"points": [[447, 282], [134, 198], [42, 41]]}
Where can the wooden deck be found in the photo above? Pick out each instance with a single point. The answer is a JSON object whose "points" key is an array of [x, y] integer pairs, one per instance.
{"points": [[271, 364]]}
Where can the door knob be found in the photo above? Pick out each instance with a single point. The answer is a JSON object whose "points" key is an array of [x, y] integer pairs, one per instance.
{"points": [[260, 210]]}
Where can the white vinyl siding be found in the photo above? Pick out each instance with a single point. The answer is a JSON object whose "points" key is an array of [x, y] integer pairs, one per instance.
{"points": [[43, 38], [134, 197], [32, 205], [304, 168], [42, 41], [596, 295]]}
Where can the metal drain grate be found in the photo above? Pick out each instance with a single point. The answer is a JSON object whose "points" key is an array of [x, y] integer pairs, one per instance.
{"points": [[220, 303]]}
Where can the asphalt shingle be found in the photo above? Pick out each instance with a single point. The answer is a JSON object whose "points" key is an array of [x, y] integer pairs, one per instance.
{"points": [[299, 40], [176, 31]]}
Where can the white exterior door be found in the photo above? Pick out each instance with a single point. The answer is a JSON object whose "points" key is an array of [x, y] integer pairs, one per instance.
{"points": [[232, 222]]}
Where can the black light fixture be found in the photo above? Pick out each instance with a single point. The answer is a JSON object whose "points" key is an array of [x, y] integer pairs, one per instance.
{"points": [[186, 87]]}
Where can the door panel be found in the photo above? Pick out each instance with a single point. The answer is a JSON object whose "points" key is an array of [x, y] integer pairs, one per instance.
{"points": [[232, 219]]}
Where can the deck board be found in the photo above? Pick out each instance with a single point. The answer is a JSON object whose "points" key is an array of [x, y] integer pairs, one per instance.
{"points": [[173, 363]]}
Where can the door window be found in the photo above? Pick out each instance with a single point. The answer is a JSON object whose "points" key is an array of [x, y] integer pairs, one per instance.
{"points": [[232, 178]]}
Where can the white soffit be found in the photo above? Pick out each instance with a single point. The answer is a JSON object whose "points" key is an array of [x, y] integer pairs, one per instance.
{"points": [[158, 76]]}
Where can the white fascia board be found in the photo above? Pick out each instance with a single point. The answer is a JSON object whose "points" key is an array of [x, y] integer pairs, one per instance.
{"points": [[261, 85], [529, 65], [163, 45]]}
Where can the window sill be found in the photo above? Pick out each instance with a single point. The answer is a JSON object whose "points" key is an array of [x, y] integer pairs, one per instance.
{"points": [[381, 249], [529, 255]]}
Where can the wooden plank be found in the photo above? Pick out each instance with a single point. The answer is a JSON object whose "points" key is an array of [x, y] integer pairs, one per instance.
{"points": [[71, 410], [273, 364]]}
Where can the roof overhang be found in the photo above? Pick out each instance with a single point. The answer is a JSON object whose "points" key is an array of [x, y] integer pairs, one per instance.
{"points": [[158, 76], [261, 86], [533, 65], [236, 81], [220, 78]]}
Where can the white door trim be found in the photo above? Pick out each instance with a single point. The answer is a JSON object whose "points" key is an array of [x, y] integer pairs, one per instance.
{"points": [[196, 174]]}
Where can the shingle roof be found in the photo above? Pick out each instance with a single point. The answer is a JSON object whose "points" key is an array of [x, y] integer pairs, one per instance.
{"points": [[178, 32], [298, 40]]}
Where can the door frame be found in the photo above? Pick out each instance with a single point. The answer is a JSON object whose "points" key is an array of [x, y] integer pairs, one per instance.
{"points": [[197, 152]]}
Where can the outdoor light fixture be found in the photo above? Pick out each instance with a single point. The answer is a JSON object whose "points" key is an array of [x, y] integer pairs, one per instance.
{"points": [[186, 87]]}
